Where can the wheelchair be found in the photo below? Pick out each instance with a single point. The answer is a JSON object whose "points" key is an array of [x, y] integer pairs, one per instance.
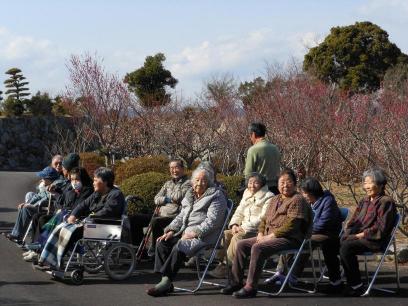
{"points": [[104, 247]]}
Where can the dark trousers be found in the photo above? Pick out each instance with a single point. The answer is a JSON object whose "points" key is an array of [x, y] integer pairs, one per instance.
{"points": [[39, 220], [258, 253], [330, 247], [158, 225], [139, 221], [24, 216], [349, 249], [168, 259]]}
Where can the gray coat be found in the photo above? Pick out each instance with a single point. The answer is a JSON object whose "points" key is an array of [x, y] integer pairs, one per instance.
{"points": [[170, 196], [204, 216]]}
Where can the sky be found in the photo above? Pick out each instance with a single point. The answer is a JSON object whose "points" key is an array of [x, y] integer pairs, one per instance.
{"points": [[201, 39]]}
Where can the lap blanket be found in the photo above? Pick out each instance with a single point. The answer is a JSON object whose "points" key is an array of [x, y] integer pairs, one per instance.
{"points": [[48, 228], [56, 244]]}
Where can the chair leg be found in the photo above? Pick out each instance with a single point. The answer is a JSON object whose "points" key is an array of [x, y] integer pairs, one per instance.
{"points": [[27, 231], [313, 268], [366, 269], [397, 275], [286, 280], [370, 286]]}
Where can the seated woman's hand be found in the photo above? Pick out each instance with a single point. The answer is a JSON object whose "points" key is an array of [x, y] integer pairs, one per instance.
{"points": [[360, 235], [71, 219], [189, 235], [21, 205], [166, 236], [236, 229], [259, 237], [262, 238]]}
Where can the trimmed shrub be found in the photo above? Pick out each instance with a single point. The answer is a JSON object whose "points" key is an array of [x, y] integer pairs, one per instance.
{"points": [[139, 165], [232, 184], [145, 186], [91, 161]]}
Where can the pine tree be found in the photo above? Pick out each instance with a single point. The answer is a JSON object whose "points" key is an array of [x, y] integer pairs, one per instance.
{"points": [[16, 91]]}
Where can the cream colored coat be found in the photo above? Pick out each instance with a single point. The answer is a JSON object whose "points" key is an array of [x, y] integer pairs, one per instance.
{"points": [[251, 208]]}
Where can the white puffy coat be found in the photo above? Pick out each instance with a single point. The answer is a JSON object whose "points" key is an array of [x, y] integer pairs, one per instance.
{"points": [[251, 208]]}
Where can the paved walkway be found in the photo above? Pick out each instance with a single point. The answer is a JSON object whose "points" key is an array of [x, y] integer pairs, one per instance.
{"points": [[21, 285]]}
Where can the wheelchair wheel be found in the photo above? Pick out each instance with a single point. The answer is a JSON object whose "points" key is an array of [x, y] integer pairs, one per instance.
{"points": [[119, 261], [77, 277], [93, 257]]}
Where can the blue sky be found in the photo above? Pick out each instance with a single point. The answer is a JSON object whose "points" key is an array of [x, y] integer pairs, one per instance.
{"points": [[200, 39]]}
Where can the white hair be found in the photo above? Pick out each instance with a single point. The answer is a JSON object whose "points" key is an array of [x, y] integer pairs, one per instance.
{"points": [[378, 175], [208, 175]]}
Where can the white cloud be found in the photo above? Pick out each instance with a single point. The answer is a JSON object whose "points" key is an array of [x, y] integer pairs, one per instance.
{"points": [[237, 52], [41, 60], [373, 6], [219, 54]]}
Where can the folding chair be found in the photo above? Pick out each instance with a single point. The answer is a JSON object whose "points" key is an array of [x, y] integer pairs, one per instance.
{"points": [[344, 212], [214, 249], [297, 252], [392, 241]]}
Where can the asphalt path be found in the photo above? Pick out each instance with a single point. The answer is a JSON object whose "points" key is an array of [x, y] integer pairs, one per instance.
{"points": [[21, 285]]}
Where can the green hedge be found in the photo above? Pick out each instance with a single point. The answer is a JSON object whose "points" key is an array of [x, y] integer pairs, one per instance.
{"points": [[232, 184], [140, 165], [91, 161], [145, 186]]}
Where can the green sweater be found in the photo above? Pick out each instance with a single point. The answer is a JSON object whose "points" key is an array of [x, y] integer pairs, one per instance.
{"points": [[264, 158]]}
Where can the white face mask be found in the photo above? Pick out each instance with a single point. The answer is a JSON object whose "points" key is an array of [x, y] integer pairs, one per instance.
{"points": [[42, 187], [77, 185]]}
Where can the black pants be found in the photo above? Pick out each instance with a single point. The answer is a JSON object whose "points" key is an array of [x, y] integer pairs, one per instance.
{"points": [[139, 221], [39, 220], [349, 249], [168, 258]]}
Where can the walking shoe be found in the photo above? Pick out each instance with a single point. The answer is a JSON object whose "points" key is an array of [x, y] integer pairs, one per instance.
{"points": [[31, 257], [191, 263], [13, 238], [245, 293], [330, 289], [350, 292], [157, 293], [41, 267], [278, 278], [220, 271], [230, 289], [26, 253]]}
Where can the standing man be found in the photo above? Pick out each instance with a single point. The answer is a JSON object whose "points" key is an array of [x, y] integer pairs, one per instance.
{"points": [[262, 157]]}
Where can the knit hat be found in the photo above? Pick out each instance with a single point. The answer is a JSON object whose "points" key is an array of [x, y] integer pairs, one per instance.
{"points": [[48, 173], [71, 161]]}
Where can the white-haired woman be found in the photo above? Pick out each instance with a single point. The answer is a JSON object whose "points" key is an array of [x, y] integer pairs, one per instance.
{"points": [[368, 229], [245, 221], [197, 225]]}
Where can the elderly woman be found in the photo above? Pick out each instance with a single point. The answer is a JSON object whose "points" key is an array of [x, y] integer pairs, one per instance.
{"points": [[107, 201], [196, 226], [287, 221], [325, 233], [368, 229], [245, 221]]}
